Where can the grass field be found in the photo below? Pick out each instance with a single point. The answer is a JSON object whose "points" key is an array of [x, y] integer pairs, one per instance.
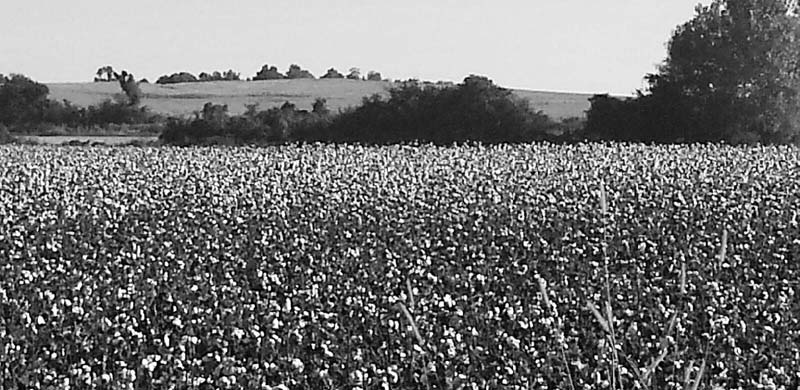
{"points": [[330, 267], [184, 99]]}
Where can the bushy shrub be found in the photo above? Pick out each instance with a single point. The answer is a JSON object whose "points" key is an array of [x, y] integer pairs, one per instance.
{"points": [[275, 125], [228, 75], [5, 135], [175, 78], [22, 100], [476, 110], [332, 74], [116, 112], [268, 73], [296, 72], [355, 74]]}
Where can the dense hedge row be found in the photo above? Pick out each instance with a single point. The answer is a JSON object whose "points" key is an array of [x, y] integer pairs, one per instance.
{"points": [[473, 111]]}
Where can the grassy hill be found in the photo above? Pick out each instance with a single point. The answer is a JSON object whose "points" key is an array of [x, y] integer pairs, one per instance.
{"points": [[184, 99]]}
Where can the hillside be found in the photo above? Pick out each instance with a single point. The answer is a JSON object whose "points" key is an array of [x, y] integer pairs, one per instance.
{"points": [[184, 99]]}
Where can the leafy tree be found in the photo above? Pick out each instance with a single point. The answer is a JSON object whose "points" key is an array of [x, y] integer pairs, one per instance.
{"points": [[332, 74], [374, 76], [230, 75], [129, 85], [22, 100], [268, 73], [175, 78], [320, 107], [475, 110], [295, 72], [355, 74], [732, 73], [105, 73]]}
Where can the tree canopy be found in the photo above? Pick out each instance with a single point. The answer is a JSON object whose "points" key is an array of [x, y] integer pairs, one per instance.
{"points": [[732, 73], [296, 72], [268, 73], [22, 100], [332, 74]]}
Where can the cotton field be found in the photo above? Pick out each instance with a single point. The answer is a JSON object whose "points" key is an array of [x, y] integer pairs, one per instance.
{"points": [[404, 267]]}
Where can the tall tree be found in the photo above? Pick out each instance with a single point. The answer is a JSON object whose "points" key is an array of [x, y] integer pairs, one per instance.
{"points": [[105, 73], [22, 100], [129, 85], [736, 66]]}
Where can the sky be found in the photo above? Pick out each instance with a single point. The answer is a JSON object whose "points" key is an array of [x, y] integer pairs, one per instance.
{"points": [[595, 46]]}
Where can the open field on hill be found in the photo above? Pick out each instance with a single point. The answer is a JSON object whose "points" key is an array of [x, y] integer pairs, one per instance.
{"points": [[184, 99], [399, 267]]}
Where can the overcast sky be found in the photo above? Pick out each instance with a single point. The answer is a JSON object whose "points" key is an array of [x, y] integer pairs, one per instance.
{"points": [[558, 45]]}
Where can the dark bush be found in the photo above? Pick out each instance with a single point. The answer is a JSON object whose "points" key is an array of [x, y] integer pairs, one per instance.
{"points": [[296, 72], [332, 74], [228, 75], [5, 135], [476, 110], [275, 125], [355, 74], [268, 73], [175, 78], [22, 100], [116, 112]]}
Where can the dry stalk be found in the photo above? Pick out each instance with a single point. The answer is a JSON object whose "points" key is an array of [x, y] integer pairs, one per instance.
{"points": [[699, 375], [723, 249], [411, 322], [683, 278], [598, 317], [410, 294], [687, 374]]}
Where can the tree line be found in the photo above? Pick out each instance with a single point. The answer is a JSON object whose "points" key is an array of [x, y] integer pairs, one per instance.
{"points": [[476, 110], [267, 72], [732, 74]]}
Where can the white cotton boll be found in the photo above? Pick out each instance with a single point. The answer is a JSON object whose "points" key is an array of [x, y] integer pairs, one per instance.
{"points": [[298, 365]]}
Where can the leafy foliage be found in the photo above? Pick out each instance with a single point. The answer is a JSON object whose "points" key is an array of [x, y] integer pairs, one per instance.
{"points": [[354, 74], [732, 74], [129, 85], [276, 125], [268, 73], [22, 100], [104, 74], [228, 75], [374, 76], [476, 110], [291, 267], [175, 78], [296, 72], [332, 73]]}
